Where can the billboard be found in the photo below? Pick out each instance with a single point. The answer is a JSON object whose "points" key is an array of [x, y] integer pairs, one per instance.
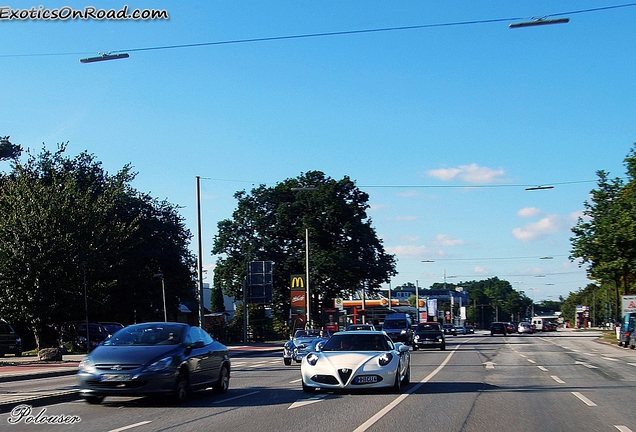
{"points": [[259, 282]]}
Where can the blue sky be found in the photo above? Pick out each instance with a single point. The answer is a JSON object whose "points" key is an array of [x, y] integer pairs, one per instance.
{"points": [[443, 126]]}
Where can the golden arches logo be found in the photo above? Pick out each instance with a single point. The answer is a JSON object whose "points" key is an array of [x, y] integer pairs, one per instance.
{"points": [[297, 281]]}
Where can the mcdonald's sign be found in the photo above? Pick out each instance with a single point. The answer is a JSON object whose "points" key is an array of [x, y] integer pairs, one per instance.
{"points": [[297, 282]]}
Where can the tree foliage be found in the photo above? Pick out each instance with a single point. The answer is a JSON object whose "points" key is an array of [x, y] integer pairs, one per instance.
{"points": [[269, 224], [67, 226], [605, 236], [9, 150]]}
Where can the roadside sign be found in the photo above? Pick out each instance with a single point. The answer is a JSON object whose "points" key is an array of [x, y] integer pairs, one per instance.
{"points": [[628, 304], [338, 304]]}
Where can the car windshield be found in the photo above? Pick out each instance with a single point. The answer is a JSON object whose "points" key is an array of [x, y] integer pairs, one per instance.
{"points": [[148, 334], [357, 342], [428, 327], [6, 329], [394, 324], [92, 328]]}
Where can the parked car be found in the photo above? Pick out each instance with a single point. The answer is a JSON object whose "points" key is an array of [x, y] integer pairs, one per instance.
{"points": [[10, 342], [498, 328], [154, 358], [111, 327], [303, 342], [460, 330], [357, 360], [73, 335], [628, 327], [399, 328], [449, 329], [429, 335]]}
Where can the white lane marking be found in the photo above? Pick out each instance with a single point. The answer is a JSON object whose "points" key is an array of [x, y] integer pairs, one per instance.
{"points": [[609, 358], [542, 368], [236, 397], [622, 428], [490, 365], [367, 424], [523, 355], [632, 364], [531, 361], [583, 399], [296, 380], [303, 402], [557, 379], [587, 365], [130, 426]]}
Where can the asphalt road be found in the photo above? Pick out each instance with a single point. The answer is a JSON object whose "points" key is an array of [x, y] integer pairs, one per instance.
{"points": [[542, 382]]}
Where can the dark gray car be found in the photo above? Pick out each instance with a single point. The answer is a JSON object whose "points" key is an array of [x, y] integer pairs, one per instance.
{"points": [[154, 358]]}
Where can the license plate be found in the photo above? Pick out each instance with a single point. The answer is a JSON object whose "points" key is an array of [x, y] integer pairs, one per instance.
{"points": [[115, 377], [366, 379]]}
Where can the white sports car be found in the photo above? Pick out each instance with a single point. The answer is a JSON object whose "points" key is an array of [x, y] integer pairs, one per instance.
{"points": [[357, 360]]}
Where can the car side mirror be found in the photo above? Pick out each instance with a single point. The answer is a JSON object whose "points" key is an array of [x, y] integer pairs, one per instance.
{"points": [[197, 344], [320, 346]]}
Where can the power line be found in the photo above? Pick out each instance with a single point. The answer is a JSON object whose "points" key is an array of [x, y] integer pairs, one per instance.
{"points": [[326, 34]]}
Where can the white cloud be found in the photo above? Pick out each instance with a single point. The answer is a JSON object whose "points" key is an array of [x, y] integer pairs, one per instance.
{"points": [[406, 218], [528, 212], [480, 270], [410, 239], [545, 226], [472, 173], [446, 240], [409, 251]]}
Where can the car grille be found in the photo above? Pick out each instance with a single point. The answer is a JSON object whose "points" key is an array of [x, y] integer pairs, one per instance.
{"points": [[325, 379], [117, 366], [118, 385], [345, 374]]}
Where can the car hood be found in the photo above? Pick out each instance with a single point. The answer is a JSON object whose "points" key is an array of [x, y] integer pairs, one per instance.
{"points": [[131, 354], [349, 359], [429, 333]]}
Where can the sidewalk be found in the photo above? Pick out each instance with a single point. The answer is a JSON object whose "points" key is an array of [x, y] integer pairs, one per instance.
{"points": [[30, 367]]}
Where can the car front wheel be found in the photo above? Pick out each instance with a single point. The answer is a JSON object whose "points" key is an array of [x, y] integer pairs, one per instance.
{"points": [[224, 381], [181, 389]]}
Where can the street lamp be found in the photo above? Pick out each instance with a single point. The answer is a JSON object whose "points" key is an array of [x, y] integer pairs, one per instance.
{"points": [[163, 289], [307, 300]]}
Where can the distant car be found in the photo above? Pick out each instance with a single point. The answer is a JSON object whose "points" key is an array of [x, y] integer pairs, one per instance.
{"points": [[460, 330], [449, 329], [429, 335], [511, 327], [470, 329], [303, 342], [524, 328], [154, 358], [357, 360], [399, 328], [73, 335], [360, 327], [498, 328], [10, 342]]}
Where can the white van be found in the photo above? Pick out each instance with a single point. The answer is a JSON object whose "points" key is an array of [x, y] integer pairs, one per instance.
{"points": [[538, 323]]}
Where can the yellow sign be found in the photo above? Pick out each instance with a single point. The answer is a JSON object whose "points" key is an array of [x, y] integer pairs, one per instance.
{"points": [[297, 281]]}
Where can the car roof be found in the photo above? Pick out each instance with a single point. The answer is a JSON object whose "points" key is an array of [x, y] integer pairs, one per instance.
{"points": [[361, 332]]}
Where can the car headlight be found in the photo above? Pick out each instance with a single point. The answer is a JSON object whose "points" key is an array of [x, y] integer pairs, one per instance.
{"points": [[417, 337], [312, 359], [439, 338], [81, 339], [87, 365], [385, 359], [160, 364], [18, 340], [403, 332]]}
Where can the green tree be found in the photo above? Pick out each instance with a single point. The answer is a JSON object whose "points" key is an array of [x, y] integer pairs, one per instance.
{"points": [[67, 227], [8, 150], [217, 303], [270, 222], [605, 237]]}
